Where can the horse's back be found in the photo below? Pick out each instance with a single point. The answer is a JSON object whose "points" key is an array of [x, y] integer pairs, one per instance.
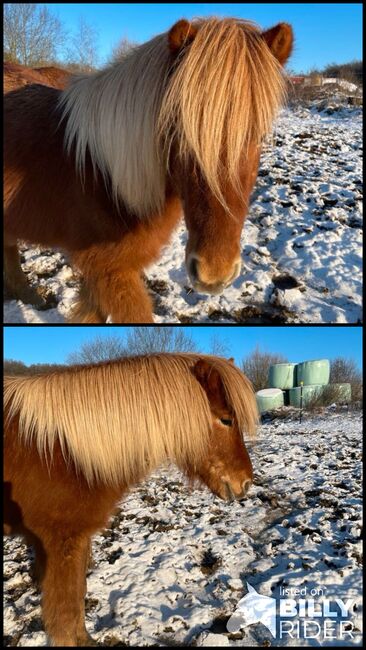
{"points": [[18, 76]]}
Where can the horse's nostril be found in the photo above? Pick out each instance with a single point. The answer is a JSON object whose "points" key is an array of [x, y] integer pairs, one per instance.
{"points": [[193, 268]]}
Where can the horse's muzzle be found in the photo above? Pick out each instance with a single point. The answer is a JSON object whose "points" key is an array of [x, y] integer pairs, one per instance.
{"points": [[202, 284], [231, 495]]}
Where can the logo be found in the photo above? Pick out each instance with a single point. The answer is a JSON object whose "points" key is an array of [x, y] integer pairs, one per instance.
{"points": [[254, 608], [300, 614]]}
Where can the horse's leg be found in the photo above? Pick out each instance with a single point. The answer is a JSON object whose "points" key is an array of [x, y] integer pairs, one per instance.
{"points": [[83, 637], [15, 282], [118, 293], [63, 589], [130, 303], [84, 311]]}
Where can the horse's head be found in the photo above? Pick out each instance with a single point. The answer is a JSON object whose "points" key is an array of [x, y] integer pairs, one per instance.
{"points": [[226, 467], [225, 87]]}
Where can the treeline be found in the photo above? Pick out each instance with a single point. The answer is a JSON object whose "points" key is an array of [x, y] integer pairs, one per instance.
{"points": [[352, 71], [12, 367]]}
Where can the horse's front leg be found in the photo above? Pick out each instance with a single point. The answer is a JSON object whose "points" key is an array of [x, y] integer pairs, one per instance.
{"points": [[119, 295], [112, 282], [63, 589]]}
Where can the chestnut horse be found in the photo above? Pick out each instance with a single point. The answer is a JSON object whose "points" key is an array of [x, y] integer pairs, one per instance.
{"points": [[104, 168], [77, 439], [17, 76]]}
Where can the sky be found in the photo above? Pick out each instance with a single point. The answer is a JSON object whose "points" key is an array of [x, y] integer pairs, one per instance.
{"points": [[324, 32], [43, 344]]}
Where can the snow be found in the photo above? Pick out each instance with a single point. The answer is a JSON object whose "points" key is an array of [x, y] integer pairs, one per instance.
{"points": [[301, 244], [176, 560]]}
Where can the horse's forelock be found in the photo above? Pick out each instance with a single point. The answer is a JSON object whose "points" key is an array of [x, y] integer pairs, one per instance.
{"points": [[222, 98]]}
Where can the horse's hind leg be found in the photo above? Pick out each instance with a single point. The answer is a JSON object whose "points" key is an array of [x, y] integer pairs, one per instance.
{"points": [[63, 587], [15, 282]]}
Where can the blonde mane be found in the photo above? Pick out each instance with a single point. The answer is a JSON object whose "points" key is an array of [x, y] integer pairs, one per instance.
{"points": [[220, 96], [118, 420]]}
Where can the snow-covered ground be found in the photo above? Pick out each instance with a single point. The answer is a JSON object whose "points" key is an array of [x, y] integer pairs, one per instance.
{"points": [[175, 562], [301, 244]]}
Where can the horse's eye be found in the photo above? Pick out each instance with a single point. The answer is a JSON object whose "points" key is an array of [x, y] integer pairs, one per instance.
{"points": [[227, 423]]}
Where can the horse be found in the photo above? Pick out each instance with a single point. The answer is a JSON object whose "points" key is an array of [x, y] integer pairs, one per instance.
{"points": [[104, 168], [77, 439], [17, 76]]}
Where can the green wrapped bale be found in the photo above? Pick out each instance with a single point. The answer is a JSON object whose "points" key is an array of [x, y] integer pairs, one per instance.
{"points": [[313, 373], [308, 393], [282, 375], [344, 393], [269, 399]]}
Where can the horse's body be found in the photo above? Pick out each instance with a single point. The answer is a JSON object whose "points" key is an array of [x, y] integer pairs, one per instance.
{"points": [[17, 76], [76, 440], [104, 168]]}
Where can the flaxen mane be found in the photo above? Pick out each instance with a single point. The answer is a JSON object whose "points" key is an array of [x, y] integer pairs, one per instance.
{"points": [[220, 97], [119, 419]]}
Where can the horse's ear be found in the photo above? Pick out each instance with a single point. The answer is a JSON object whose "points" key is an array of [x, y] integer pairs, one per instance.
{"points": [[280, 40], [180, 35], [207, 376], [231, 360]]}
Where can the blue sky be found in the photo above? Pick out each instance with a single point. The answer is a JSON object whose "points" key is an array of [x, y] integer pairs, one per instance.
{"points": [[325, 32], [53, 344]]}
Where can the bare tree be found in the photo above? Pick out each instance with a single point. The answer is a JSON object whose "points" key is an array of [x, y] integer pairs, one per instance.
{"points": [[123, 47], [83, 53], [139, 340], [32, 35], [145, 340], [99, 349], [219, 346], [256, 366]]}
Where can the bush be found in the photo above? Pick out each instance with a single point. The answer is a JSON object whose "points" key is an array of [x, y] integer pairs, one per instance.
{"points": [[256, 367], [328, 395]]}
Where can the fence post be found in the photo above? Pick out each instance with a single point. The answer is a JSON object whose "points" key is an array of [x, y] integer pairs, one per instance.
{"points": [[301, 385]]}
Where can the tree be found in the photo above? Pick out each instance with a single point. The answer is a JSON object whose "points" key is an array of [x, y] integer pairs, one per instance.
{"points": [[99, 349], [83, 50], [13, 367], [145, 340], [32, 35], [140, 340], [121, 49], [218, 346], [345, 371], [256, 366]]}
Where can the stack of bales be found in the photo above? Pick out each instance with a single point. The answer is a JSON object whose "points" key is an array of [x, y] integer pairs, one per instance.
{"points": [[296, 384]]}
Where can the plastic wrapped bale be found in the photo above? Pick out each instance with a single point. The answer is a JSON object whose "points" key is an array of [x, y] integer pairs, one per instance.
{"points": [[308, 393], [344, 393], [269, 399], [282, 375], [313, 373]]}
